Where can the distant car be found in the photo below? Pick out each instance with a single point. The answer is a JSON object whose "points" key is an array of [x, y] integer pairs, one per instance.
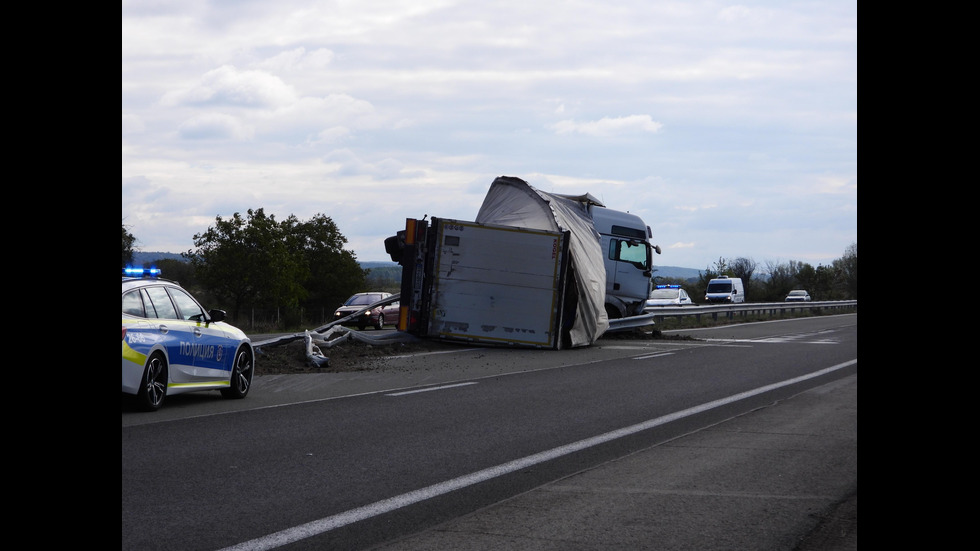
{"points": [[172, 345], [798, 296], [375, 317], [668, 295]]}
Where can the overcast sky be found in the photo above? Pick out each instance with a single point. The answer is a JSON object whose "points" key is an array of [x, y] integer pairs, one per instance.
{"points": [[729, 127]]}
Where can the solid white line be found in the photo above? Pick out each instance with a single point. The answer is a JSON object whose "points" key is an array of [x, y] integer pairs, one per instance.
{"points": [[428, 389], [770, 340], [326, 524]]}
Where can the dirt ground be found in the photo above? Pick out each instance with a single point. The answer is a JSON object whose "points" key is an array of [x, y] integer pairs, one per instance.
{"points": [[346, 356]]}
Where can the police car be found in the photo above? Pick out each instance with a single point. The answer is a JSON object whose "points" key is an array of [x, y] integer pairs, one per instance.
{"points": [[668, 295], [798, 295], [172, 345]]}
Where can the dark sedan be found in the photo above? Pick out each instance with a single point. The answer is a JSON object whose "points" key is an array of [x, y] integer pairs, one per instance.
{"points": [[376, 317]]}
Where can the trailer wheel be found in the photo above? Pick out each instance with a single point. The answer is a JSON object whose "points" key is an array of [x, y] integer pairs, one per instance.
{"points": [[612, 312]]}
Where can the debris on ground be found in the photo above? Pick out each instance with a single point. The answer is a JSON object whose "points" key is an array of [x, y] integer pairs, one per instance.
{"points": [[346, 350]]}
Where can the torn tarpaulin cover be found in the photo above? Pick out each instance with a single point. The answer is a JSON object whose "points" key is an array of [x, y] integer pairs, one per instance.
{"points": [[513, 202]]}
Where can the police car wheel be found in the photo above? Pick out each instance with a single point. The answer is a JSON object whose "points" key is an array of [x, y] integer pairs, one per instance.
{"points": [[241, 375], [153, 389], [381, 321]]}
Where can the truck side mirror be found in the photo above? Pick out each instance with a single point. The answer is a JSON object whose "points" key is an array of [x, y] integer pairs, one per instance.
{"points": [[395, 246]]}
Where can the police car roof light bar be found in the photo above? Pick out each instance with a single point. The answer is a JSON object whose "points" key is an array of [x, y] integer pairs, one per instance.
{"points": [[141, 272]]}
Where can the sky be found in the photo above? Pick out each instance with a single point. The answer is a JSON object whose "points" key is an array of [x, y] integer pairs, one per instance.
{"points": [[729, 127]]}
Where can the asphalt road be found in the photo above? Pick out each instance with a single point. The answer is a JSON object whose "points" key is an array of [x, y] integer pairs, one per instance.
{"points": [[780, 477], [761, 472]]}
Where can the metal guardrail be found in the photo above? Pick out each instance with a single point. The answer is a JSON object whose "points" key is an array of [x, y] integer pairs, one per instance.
{"points": [[655, 315], [652, 316]]}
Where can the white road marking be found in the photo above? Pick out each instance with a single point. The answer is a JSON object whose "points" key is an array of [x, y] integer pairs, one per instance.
{"points": [[658, 355], [795, 340], [428, 389]]}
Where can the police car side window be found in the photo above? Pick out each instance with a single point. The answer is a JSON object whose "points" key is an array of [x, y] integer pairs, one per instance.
{"points": [[147, 305], [132, 304], [189, 309], [161, 304]]}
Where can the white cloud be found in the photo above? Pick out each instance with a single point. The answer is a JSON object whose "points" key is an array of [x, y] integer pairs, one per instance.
{"points": [[228, 86], [132, 124], [607, 126], [297, 60], [730, 128], [215, 126]]}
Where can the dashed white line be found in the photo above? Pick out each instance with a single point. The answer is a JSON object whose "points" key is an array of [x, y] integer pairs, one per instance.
{"points": [[416, 391], [658, 355]]}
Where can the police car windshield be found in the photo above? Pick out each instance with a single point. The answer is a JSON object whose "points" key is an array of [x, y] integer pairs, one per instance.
{"points": [[664, 293]]}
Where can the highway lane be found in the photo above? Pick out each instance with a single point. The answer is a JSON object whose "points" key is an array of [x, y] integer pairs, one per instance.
{"points": [[212, 477]]}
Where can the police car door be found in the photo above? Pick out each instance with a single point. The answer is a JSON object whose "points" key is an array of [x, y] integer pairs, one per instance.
{"points": [[208, 344], [174, 333]]}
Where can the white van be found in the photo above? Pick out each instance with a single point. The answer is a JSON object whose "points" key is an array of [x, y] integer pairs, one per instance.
{"points": [[725, 289]]}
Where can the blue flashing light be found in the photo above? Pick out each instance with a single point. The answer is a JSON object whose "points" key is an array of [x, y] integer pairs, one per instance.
{"points": [[141, 272], [668, 286]]}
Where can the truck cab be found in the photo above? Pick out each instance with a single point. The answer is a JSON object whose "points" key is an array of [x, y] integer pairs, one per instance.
{"points": [[628, 260]]}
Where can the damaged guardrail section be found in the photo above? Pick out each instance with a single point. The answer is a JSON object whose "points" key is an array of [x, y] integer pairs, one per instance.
{"points": [[333, 333]]}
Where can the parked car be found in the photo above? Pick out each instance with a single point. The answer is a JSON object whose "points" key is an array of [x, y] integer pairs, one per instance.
{"points": [[798, 295], [172, 345], [375, 317], [668, 295]]}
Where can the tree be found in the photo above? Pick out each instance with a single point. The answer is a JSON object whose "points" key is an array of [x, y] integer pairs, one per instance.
{"points": [[846, 271], [806, 278], [128, 241], [835, 282], [179, 271], [701, 287], [333, 273], [782, 279], [743, 268], [290, 266], [249, 262]]}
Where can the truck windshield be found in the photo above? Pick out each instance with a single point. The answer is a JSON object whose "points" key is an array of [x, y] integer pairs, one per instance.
{"points": [[720, 287], [634, 252]]}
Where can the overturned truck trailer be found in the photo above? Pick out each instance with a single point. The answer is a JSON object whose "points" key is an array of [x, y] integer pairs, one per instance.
{"points": [[484, 283], [528, 272]]}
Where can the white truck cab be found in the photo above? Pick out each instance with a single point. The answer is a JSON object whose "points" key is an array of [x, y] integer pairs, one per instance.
{"points": [[628, 260], [724, 289]]}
